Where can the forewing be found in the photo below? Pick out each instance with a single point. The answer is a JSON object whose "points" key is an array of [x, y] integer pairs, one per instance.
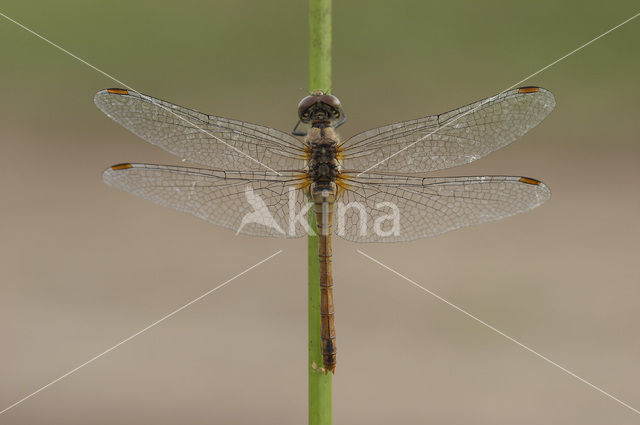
{"points": [[427, 207], [449, 139], [250, 203], [212, 141]]}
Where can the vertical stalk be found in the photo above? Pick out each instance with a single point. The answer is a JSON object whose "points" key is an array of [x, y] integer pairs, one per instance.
{"points": [[320, 45], [319, 79]]}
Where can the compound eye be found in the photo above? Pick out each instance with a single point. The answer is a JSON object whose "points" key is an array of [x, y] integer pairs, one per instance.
{"points": [[330, 100], [306, 103]]}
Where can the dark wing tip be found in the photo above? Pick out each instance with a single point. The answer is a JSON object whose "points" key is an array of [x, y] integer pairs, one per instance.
{"points": [[527, 180], [100, 96], [529, 89], [543, 193], [117, 91], [122, 166], [545, 96], [110, 175]]}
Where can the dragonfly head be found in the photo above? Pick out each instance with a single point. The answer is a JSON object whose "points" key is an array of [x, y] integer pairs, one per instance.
{"points": [[319, 106]]}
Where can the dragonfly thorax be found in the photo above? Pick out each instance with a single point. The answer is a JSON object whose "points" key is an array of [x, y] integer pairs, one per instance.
{"points": [[323, 163]]}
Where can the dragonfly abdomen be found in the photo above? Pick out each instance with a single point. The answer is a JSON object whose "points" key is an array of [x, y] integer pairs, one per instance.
{"points": [[323, 197]]}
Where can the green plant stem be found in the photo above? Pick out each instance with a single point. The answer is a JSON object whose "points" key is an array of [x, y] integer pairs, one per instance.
{"points": [[319, 79], [320, 45]]}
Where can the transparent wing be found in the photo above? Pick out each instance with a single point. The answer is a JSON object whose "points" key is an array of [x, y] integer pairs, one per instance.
{"points": [[212, 141], [449, 139], [385, 208], [251, 203]]}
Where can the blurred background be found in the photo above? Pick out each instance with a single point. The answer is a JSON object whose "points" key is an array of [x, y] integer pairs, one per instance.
{"points": [[83, 266]]}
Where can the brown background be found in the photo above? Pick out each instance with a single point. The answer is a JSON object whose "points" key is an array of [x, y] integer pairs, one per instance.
{"points": [[84, 266]]}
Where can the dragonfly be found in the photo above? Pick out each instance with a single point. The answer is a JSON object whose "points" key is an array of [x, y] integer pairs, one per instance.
{"points": [[371, 187]]}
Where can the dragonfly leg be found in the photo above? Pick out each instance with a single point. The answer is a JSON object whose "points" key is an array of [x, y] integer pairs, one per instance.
{"points": [[297, 132], [342, 120]]}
